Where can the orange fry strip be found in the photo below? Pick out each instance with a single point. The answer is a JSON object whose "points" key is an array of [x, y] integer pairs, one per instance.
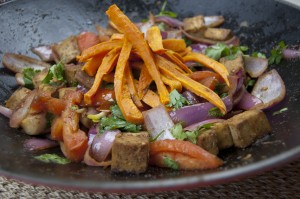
{"points": [[172, 56], [172, 83], [190, 84], [99, 49], [154, 40], [151, 99], [176, 45], [123, 97], [107, 65], [133, 34], [92, 65], [210, 63], [144, 82]]}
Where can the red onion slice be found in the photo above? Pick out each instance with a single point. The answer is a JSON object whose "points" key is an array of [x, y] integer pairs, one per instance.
{"points": [[248, 101], [171, 34], [291, 53], [189, 115], [101, 145], [19, 114], [194, 126], [269, 88], [88, 160], [170, 21], [34, 144], [5, 111], [255, 66], [44, 52], [199, 48]]}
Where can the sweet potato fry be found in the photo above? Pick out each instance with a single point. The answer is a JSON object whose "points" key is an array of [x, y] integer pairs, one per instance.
{"points": [[154, 40], [107, 65], [133, 34], [210, 63], [92, 65], [144, 82], [172, 83], [176, 45], [190, 84], [151, 99], [176, 59]]}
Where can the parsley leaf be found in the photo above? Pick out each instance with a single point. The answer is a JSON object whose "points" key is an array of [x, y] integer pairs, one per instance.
{"points": [[55, 75], [250, 83], [164, 12], [28, 74], [177, 100], [178, 132], [215, 112], [170, 163], [276, 53], [222, 50], [117, 121], [258, 54], [52, 158]]}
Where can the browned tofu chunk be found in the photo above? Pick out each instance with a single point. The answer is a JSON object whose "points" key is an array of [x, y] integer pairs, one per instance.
{"points": [[246, 127], [220, 34], [17, 97], [130, 153], [234, 65], [70, 72], [223, 133], [34, 124], [193, 24], [208, 141], [67, 50]]}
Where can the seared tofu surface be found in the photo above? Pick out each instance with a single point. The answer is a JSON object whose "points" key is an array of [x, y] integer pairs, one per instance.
{"points": [[246, 127], [193, 24], [67, 50], [208, 141], [130, 153], [234, 65]]}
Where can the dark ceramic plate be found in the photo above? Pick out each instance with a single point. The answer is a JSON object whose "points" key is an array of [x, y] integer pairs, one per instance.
{"points": [[25, 24]]}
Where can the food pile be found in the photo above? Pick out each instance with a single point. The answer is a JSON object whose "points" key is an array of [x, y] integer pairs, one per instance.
{"points": [[163, 92]]}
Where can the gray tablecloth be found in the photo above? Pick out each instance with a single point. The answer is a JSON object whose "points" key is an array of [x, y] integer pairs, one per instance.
{"points": [[280, 183]]}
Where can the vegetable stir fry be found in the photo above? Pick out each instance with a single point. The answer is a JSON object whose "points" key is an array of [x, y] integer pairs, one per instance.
{"points": [[162, 92]]}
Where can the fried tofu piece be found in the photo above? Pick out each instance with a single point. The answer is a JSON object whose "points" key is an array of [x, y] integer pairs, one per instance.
{"points": [[223, 133], [70, 72], [34, 124], [248, 126], [208, 141], [67, 50], [16, 98], [219, 34], [130, 153], [234, 65], [193, 24]]}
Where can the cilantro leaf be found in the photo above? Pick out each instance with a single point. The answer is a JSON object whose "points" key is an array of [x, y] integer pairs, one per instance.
{"points": [[258, 54], [250, 83], [215, 112], [164, 12], [55, 75], [222, 50], [276, 53], [52, 158], [280, 111], [178, 132], [177, 100], [170, 163], [117, 121], [28, 74]]}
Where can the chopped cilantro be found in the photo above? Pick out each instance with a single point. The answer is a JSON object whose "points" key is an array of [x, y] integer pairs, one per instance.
{"points": [[156, 137], [164, 12], [215, 112], [258, 54], [177, 100], [55, 75], [52, 158], [280, 111], [187, 41], [74, 107], [222, 50], [219, 87], [170, 163], [276, 53], [250, 83], [28, 74], [178, 132], [117, 121]]}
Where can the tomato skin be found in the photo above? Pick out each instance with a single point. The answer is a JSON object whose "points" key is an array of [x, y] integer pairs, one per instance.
{"points": [[200, 75], [86, 40], [186, 154], [104, 98]]}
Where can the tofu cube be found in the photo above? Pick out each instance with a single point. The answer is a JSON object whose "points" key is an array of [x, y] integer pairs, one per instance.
{"points": [[67, 50], [130, 153], [223, 133], [234, 65], [246, 127], [193, 24], [220, 34], [208, 141]]}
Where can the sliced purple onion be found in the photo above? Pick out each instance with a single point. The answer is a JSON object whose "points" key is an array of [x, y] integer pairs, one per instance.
{"points": [[88, 160], [81, 88], [199, 48], [291, 53], [238, 95], [209, 121], [35, 144], [189, 115], [44, 52], [16, 63], [255, 66], [171, 34], [101, 145], [19, 114], [248, 101], [84, 79], [5, 111], [191, 97], [270, 89], [170, 21]]}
